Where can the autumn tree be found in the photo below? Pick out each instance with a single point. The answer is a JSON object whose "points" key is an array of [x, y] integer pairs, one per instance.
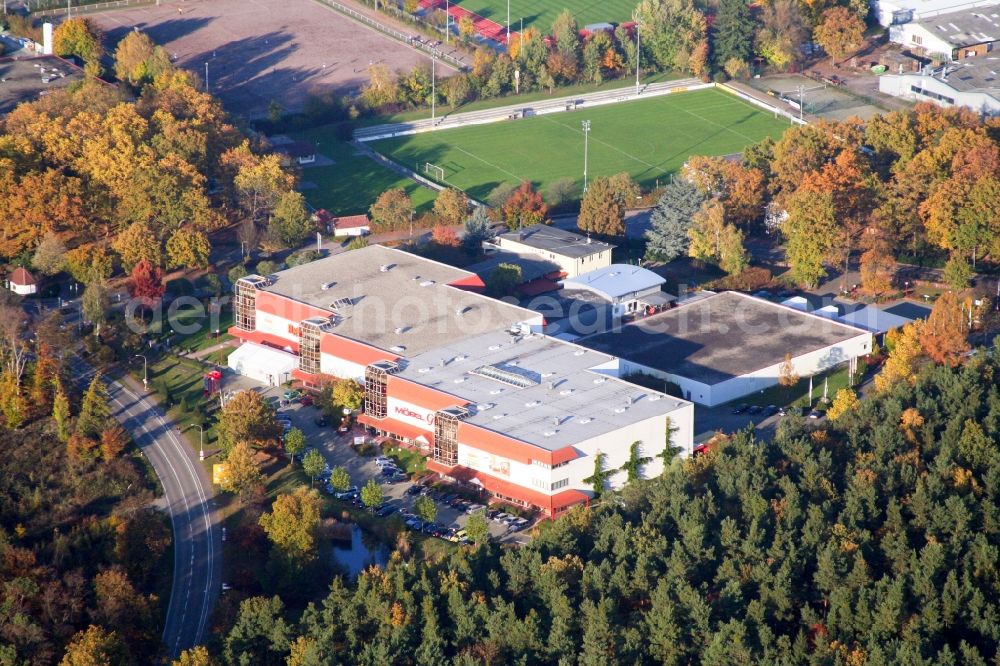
{"points": [[196, 656], [292, 525], [525, 207], [259, 181], [901, 364], [391, 211], [95, 304], [944, 337], [138, 60], [811, 234], [782, 32], [243, 474], [740, 189], [444, 236], [247, 418], [37, 203], [113, 442], [50, 255], [840, 32], [786, 372], [187, 248], [451, 206], [845, 401], [715, 241], [667, 237], [95, 647], [290, 221], [146, 283], [137, 243], [61, 414], [347, 393], [382, 89], [79, 37]]}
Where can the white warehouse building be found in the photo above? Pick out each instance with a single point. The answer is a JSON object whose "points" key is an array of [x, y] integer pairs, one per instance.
{"points": [[724, 346]]}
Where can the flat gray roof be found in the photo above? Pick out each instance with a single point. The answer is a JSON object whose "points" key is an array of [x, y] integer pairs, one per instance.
{"points": [[395, 300], [559, 400], [721, 336], [22, 78], [966, 27], [557, 241], [532, 265], [973, 75]]}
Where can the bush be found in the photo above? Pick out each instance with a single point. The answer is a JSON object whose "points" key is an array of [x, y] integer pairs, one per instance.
{"points": [[303, 257], [753, 278]]}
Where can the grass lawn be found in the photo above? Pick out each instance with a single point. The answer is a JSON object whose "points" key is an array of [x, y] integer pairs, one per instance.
{"points": [[410, 462], [541, 13], [837, 378], [650, 139], [351, 185]]}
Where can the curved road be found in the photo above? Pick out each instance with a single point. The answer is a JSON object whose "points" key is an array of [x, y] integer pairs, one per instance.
{"points": [[188, 492]]}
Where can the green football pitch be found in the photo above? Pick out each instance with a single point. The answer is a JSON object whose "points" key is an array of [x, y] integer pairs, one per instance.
{"points": [[650, 139], [541, 13]]}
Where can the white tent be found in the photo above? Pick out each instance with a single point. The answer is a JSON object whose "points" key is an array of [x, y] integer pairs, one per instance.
{"points": [[265, 364]]}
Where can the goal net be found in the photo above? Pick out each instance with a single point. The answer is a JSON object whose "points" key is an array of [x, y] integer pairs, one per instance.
{"points": [[434, 171]]}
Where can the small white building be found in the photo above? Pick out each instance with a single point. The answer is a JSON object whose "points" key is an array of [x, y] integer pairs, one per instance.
{"points": [[264, 364], [974, 84], [895, 12], [351, 225], [629, 289], [22, 282], [575, 254], [957, 35]]}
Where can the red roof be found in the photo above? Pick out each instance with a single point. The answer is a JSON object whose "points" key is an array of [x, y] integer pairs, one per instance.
{"points": [[350, 221], [22, 277], [404, 430]]}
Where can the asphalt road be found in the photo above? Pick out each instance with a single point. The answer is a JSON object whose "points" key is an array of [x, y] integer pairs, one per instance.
{"points": [[187, 497]]}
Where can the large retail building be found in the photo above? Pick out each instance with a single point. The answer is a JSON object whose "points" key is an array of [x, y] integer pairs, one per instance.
{"points": [[471, 380]]}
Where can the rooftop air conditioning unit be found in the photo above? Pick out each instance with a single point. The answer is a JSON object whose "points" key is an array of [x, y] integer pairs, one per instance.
{"points": [[384, 268], [327, 285]]}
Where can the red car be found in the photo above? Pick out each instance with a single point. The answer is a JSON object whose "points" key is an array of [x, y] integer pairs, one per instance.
{"points": [[306, 400]]}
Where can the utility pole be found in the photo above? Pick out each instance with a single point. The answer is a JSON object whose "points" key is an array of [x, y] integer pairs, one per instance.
{"points": [[637, 56], [201, 447], [206, 76], [447, 20], [586, 142], [508, 24]]}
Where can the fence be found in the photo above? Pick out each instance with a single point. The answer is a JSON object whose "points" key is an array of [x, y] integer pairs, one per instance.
{"points": [[524, 110], [91, 7], [392, 32], [761, 103]]}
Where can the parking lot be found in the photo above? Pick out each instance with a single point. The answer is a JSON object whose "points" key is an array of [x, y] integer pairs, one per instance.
{"points": [[336, 448]]}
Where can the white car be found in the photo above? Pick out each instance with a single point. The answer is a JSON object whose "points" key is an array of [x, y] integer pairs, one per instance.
{"points": [[384, 462]]}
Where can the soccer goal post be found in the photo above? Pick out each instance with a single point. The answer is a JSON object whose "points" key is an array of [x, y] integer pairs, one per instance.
{"points": [[434, 171]]}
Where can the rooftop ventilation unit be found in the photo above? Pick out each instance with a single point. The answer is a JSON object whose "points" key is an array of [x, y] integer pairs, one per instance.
{"points": [[585, 420], [555, 420], [566, 392], [424, 370], [327, 285], [494, 347], [427, 283], [459, 380], [579, 352], [619, 410], [549, 433], [508, 377], [497, 417], [385, 268], [397, 349], [399, 330], [485, 406], [532, 403], [628, 400], [496, 391], [600, 380]]}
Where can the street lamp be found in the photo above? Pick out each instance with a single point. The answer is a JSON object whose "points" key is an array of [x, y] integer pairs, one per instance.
{"points": [[201, 443], [637, 56], [145, 371], [586, 141], [433, 85]]}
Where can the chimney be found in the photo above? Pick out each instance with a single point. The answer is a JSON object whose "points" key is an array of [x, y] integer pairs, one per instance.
{"points": [[46, 38]]}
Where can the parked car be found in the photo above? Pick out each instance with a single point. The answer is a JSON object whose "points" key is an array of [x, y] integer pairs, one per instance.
{"points": [[384, 462], [321, 421], [291, 394], [500, 517], [473, 508], [396, 478], [815, 414], [754, 409], [413, 490], [390, 471], [492, 514], [770, 410], [386, 510], [347, 494], [344, 429], [307, 400], [414, 524], [740, 408]]}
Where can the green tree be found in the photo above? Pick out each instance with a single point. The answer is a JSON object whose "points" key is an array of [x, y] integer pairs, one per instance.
{"points": [[95, 410], [138, 60], [599, 479], [425, 508], [292, 525], [633, 466], [371, 493], [96, 304], [667, 238], [340, 480], [313, 465], [61, 414], [670, 450], [957, 273], [732, 32], [290, 221], [811, 233], [260, 635], [477, 529], [295, 443], [477, 229], [504, 280], [243, 474]]}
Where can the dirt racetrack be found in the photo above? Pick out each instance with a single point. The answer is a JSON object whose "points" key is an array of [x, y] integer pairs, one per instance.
{"points": [[263, 50]]}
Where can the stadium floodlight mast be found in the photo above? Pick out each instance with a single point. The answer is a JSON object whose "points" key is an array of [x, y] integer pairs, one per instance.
{"points": [[586, 141], [433, 86], [508, 23], [638, 54]]}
